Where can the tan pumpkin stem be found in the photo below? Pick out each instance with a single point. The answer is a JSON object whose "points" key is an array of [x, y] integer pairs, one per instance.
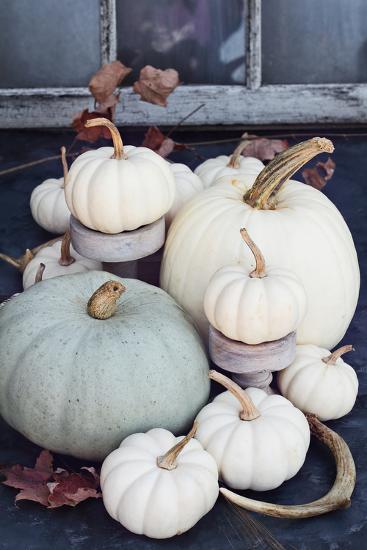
{"points": [[22, 262], [234, 161], [337, 497], [168, 461], [248, 409], [115, 134], [103, 302], [65, 256], [281, 168], [64, 164], [39, 274], [259, 271], [333, 357]]}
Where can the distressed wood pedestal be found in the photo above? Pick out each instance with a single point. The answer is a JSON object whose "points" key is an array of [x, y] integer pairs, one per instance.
{"points": [[251, 365], [118, 253]]}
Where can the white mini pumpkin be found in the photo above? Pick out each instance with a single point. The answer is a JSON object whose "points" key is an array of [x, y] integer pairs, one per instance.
{"points": [[121, 188], [258, 440], [257, 306], [48, 204], [159, 485], [59, 259], [227, 168], [187, 185], [320, 382]]}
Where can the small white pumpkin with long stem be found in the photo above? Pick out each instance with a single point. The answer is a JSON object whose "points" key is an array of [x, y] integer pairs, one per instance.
{"points": [[320, 382], [119, 188], [262, 305], [59, 259], [159, 485], [257, 440], [48, 204]]}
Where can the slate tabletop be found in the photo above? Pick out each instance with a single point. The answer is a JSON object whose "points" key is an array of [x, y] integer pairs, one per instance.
{"points": [[28, 526]]}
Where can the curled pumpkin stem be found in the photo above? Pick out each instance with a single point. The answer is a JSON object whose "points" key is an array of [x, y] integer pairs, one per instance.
{"points": [[118, 146], [234, 161], [333, 357], [259, 271], [65, 256], [248, 410], [168, 461]]}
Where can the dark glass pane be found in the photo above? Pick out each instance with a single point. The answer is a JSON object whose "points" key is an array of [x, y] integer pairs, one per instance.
{"points": [[202, 39], [48, 42], [314, 42]]}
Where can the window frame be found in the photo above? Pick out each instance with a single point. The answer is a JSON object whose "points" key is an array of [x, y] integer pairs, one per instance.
{"points": [[249, 104]]}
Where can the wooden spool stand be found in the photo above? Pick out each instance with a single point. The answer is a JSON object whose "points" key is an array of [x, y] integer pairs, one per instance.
{"points": [[251, 365], [118, 253]]}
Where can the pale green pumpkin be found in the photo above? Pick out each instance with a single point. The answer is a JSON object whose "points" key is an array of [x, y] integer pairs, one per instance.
{"points": [[78, 385]]}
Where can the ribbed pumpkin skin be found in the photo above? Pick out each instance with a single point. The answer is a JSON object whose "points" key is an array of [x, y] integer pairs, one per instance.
{"points": [[78, 385], [48, 206], [111, 195], [187, 185], [305, 234], [213, 169]]}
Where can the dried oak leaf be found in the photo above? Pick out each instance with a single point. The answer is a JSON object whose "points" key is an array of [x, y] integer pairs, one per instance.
{"points": [[155, 85], [51, 488], [154, 139], [263, 148], [105, 81], [320, 174], [90, 134]]}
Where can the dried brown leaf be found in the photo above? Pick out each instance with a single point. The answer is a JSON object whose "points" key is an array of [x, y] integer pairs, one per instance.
{"points": [[104, 83], [154, 139], [320, 174], [90, 134], [155, 85], [73, 489], [263, 148]]}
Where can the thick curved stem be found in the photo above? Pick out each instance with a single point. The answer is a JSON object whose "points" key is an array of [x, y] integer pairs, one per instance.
{"points": [[249, 411], [333, 357], [115, 134], [281, 168], [103, 302], [259, 271], [234, 161], [64, 164], [339, 495], [168, 461], [39, 274], [65, 257]]}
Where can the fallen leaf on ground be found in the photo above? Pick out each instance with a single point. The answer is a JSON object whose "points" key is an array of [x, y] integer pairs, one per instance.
{"points": [[155, 85], [105, 81], [49, 487], [320, 174], [263, 148], [90, 134], [154, 139]]}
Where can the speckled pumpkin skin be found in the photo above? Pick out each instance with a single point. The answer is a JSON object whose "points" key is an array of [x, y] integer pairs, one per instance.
{"points": [[78, 385]]}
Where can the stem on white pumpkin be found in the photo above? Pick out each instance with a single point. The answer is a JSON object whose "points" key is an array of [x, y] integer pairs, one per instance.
{"points": [[168, 461], [39, 275], [248, 409], [103, 302], [115, 134], [234, 161], [64, 164], [259, 271], [333, 357], [65, 256], [281, 168]]}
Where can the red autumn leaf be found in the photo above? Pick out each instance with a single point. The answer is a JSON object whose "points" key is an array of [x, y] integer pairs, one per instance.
{"points": [[51, 488], [155, 85], [320, 174], [90, 134], [105, 81], [263, 148], [154, 139]]}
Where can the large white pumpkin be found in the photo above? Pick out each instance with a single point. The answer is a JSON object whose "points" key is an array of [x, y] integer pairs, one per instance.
{"points": [[293, 224], [319, 382], [48, 204], [257, 440], [115, 189], [187, 184], [159, 485]]}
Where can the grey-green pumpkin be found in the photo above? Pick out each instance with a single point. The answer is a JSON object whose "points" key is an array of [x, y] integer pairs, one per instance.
{"points": [[78, 385]]}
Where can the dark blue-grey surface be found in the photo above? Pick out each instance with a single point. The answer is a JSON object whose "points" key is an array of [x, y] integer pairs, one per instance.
{"points": [[28, 526]]}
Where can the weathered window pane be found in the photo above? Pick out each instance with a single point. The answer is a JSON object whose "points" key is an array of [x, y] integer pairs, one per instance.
{"points": [[314, 41], [46, 43], [202, 39]]}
